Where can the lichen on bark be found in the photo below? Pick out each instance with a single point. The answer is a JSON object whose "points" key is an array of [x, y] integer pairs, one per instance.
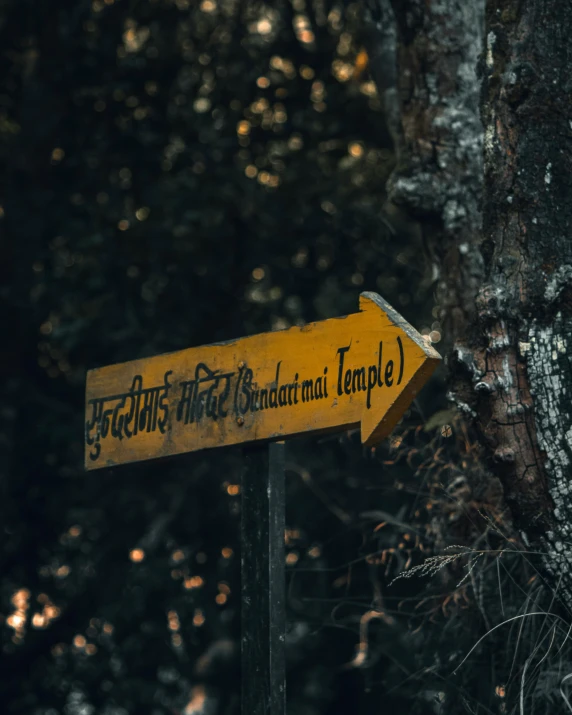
{"points": [[527, 107], [505, 284], [439, 174]]}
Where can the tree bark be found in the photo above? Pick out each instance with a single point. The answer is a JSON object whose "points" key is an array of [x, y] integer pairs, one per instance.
{"points": [[525, 306], [438, 178], [505, 286]]}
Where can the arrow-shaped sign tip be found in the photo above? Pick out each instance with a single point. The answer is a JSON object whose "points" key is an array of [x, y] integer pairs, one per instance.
{"points": [[418, 352]]}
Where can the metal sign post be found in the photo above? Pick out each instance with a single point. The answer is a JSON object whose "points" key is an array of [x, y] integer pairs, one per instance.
{"points": [[263, 582]]}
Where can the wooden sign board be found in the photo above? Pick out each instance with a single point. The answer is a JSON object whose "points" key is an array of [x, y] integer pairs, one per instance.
{"points": [[363, 369]]}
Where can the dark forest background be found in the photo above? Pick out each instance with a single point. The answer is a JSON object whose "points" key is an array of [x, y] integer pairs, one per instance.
{"points": [[176, 173]]}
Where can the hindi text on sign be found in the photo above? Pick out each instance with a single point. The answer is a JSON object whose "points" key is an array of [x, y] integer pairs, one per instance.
{"points": [[336, 374]]}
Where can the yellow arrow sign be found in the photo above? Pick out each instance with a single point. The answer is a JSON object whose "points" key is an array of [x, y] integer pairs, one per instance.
{"points": [[363, 369]]}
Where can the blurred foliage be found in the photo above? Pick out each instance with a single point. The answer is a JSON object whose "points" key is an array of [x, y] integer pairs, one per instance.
{"points": [[177, 173]]}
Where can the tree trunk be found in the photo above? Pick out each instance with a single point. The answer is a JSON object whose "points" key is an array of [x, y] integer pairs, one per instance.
{"points": [[438, 178], [505, 288], [525, 306]]}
